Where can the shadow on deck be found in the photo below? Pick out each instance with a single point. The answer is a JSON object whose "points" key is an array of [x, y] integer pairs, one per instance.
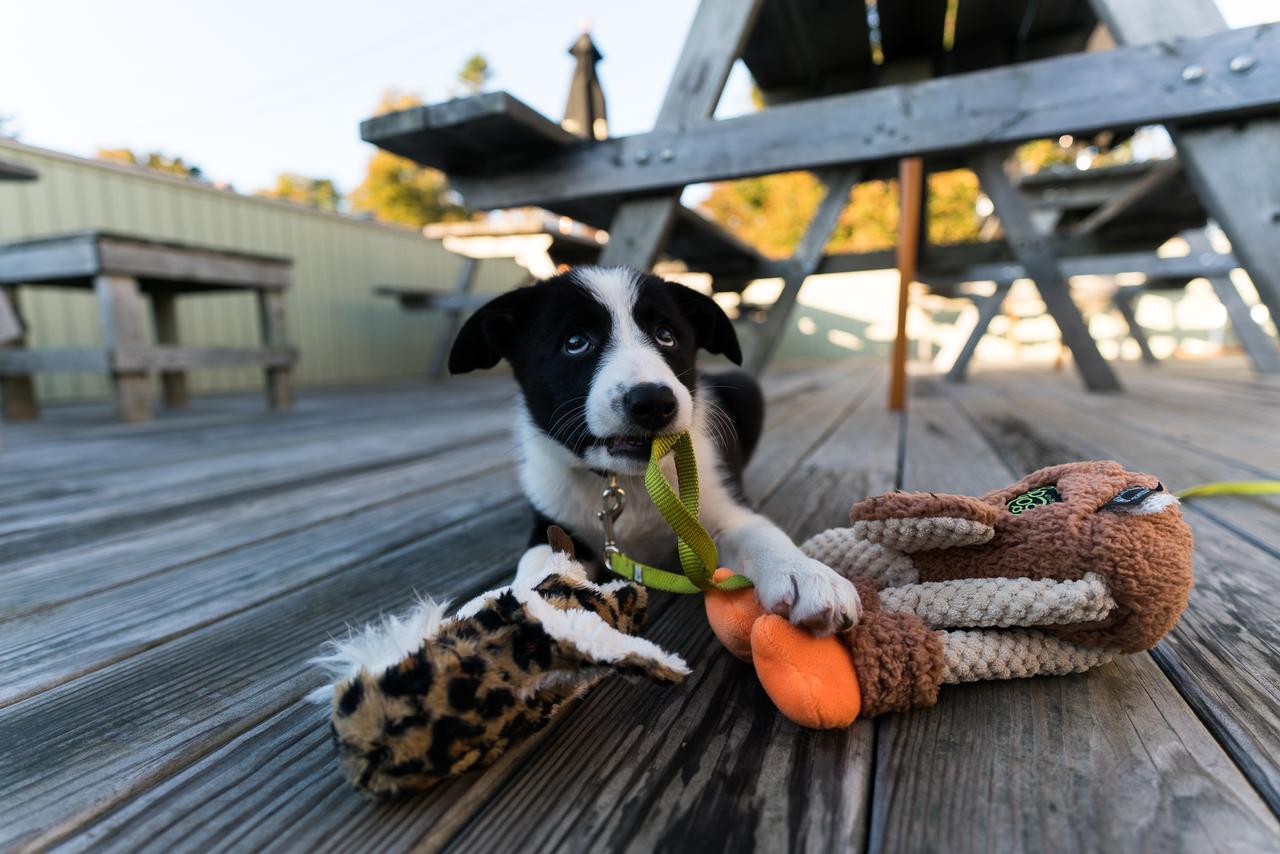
{"points": [[162, 586]]}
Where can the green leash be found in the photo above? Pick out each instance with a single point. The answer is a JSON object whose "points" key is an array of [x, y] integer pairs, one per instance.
{"points": [[698, 556], [1231, 487]]}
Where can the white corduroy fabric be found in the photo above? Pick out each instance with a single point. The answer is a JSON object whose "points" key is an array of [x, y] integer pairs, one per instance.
{"points": [[921, 534], [1002, 602], [852, 557], [971, 656]]}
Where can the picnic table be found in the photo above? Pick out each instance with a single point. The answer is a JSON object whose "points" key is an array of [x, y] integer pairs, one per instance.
{"points": [[850, 94], [121, 270]]}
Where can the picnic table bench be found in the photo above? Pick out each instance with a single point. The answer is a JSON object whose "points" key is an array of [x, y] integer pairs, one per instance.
{"points": [[121, 270]]}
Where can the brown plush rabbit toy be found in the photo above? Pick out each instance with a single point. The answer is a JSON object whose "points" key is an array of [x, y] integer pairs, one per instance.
{"points": [[1057, 573]]}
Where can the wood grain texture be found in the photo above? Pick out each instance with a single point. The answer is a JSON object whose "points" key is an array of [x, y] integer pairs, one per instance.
{"points": [[640, 228], [66, 640], [1122, 88], [67, 514], [104, 563], [191, 733], [310, 804], [173, 704]]}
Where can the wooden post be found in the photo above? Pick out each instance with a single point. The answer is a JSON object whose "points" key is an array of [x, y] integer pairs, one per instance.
{"points": [[988, 308], [719, 31], [910, 196], [275, 336], [839, 182], [1039, 260], [452, 319], [173, 384], [1123, 299], [120, 310], [20, 403]]}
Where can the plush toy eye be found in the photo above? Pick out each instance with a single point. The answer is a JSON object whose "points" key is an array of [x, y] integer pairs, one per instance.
{"points": [[664, 336], [576, 345], [1131, 497]]}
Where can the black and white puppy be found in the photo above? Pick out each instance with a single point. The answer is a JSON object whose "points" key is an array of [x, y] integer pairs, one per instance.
{"points": [[605, 360]]}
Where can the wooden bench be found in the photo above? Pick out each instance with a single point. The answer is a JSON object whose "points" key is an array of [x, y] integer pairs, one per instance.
{"points": [[120, 270], [455, 305]]}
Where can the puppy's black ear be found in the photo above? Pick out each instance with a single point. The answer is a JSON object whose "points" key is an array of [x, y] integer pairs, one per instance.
{"points": [[712, 326], [488, 335]]}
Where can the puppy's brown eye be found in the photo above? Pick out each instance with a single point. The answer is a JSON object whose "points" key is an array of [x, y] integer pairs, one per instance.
{"points": [[576, 345], [664, 336]]}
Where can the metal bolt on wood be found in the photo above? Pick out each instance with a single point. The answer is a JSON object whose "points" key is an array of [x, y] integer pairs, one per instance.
{"points": [[1193, 73], [1242, 64], [642, 156]]}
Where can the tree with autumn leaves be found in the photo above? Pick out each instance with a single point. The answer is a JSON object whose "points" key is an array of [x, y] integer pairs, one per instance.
{"points": [[771, 212]]}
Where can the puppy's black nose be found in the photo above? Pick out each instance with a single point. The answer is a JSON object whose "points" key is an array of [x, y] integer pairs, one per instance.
{"points": [[651, 406]]}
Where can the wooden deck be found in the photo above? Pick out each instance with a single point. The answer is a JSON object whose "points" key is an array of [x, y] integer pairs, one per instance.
{"points": [[162, 586]]}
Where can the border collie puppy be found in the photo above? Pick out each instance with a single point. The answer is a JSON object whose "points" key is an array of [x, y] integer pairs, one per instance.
{"points": [[604, 358]]}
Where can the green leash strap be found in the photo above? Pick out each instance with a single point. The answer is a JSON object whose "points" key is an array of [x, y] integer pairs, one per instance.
{"points": [[1231, 487], [698, 557]]}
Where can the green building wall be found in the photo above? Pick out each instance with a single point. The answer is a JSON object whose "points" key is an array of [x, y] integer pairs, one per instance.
{"points": [[345, 335]]}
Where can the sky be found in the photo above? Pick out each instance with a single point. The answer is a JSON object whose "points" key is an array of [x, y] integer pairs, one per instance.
{"points": [[248, 89]]}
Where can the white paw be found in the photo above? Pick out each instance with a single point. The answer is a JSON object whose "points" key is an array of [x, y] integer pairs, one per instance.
{"points": [[808, 593]]}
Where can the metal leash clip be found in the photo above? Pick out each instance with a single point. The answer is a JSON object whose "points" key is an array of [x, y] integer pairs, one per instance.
{"points": [[614, 501]]}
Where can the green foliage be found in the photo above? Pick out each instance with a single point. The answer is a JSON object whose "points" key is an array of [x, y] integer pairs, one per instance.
{"points": [[395, 189], [475, 74], [151, 160], [312, 192]]}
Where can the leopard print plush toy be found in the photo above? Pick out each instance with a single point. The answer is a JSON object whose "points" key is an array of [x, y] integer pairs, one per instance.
{"points": [[422, 698]]}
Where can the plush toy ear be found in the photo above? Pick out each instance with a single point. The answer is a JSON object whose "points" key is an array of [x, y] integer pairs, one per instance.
{"points": [[714, 329], [488, 335]]}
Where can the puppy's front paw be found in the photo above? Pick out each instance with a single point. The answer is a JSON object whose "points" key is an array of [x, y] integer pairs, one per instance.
{"points": [[808, 593]]}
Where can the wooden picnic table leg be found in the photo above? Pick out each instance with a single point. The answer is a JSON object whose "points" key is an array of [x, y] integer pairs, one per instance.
{"points": [[173, 384], [1230, 166], [804, 261], [120, 311], [988, 308], [1123, 300], [1256, 343], [1032, 249], [452, 319], [19, 391], [716, 39], [275, 335], [911, 197]]}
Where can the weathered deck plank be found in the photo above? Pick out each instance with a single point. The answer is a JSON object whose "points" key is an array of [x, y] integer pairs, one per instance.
{"points": [[312, 804], [132, 724], [179, 636]]}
